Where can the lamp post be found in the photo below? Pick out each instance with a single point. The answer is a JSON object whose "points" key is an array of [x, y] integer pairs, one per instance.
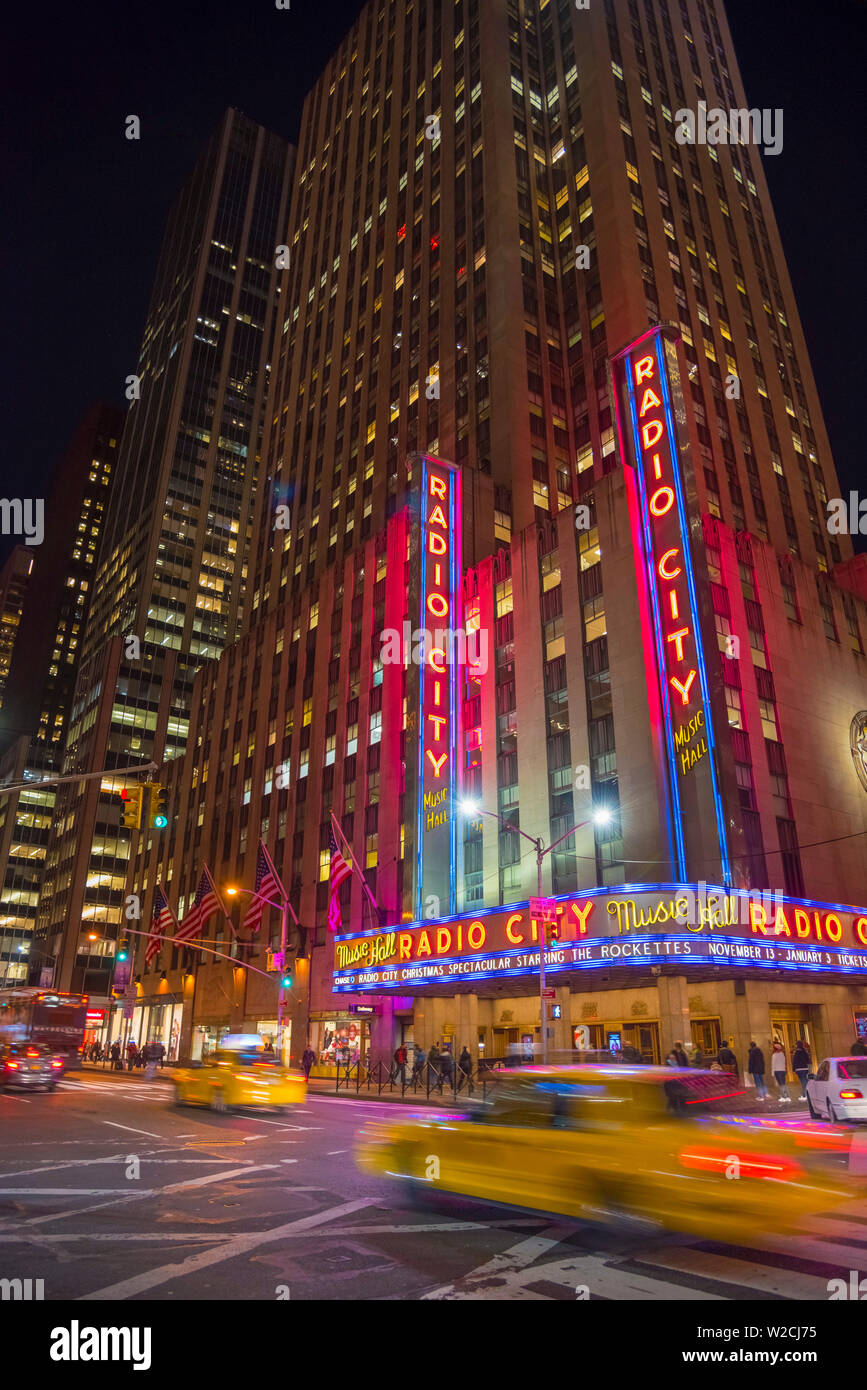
{"points": [[599, 817], [283, 908]]}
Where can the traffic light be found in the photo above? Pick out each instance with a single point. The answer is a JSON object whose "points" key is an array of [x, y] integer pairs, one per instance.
{"points": [[122, 949], [132, 799], [552, 932], [159, 816], [286, 980]]}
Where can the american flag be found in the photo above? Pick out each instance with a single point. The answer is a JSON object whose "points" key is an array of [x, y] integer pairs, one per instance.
{"points": [[340, 870], [204, 905], [267, 884], [162, 918]]}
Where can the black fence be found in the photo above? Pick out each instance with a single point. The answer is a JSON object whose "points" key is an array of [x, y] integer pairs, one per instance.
{"points": [[417, 1079]]}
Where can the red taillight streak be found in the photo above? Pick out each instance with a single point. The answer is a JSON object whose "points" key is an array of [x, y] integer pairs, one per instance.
{"points": [[757, 1166], [851, 1095], [704, 1100], [12, 1066], [57, 1063]]}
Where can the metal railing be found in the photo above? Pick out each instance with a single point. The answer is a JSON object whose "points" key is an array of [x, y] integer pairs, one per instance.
{"points": [[418, 1080]]}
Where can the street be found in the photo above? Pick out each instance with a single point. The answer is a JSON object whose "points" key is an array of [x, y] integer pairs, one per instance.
{"points": [[110, 1192]]}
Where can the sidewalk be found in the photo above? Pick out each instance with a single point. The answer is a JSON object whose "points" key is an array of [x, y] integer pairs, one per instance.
{"points": [[325, 1086], [98, 1069]]}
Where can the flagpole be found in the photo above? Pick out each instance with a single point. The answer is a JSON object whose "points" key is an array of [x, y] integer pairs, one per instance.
{"points": [[354, 864], [210, 879]]}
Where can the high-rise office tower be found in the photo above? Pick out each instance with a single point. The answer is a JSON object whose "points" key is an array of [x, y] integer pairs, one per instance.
{"points": [[170, 584], [52, 616], [500, 231], [14, 577]]}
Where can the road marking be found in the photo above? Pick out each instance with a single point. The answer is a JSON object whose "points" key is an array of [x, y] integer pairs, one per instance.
{"points": [[502, 1269], [133, 1196], [73, 1191], [5, 1096], [260, 1120], [149, 1132], [107, 1237], [332, 1152], [238, 1245]]}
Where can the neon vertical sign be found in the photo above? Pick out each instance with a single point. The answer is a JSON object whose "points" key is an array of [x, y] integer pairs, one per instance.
{"points": [[435, 556], [644, 396]]}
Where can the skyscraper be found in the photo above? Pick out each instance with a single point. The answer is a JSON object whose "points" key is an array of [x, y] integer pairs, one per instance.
{"points": [[494, 208], [170, 584], [51, 619]]}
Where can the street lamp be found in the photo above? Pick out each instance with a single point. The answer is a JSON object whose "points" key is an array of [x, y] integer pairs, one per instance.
{"points": [[282, 907], [601, 816]]}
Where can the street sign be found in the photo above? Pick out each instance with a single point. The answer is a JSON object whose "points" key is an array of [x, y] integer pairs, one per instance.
{"points": [[275, 960], [128, 1006], [549, 994], [543, 909], [365, 1009]]}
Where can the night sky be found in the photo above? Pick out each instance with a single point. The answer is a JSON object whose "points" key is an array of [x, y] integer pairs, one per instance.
{"points": [[85, 208]]}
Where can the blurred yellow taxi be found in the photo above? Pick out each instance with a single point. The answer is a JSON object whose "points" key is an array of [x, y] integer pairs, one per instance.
{"points": [[604, 1142], [240, 1073]]}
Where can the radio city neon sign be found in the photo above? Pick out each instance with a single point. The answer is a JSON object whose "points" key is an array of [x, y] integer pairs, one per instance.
{"points": [[681, 666], [436, 847], [694, 910], [437, 607], [676, 664]]}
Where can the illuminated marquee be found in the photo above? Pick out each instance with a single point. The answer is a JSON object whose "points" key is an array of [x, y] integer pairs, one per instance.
{"points": [[683, 921], [433, 689], [644, 398]]}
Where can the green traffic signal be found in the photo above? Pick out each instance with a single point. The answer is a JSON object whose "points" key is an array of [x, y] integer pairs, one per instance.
{"points": [[286, 980], [159, 806]]}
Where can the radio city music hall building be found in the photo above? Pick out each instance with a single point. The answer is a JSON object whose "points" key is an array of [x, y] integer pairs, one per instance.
{"points": [[614, 479]]}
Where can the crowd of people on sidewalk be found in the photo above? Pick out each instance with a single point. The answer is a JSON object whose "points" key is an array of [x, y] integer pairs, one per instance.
{"points": [[756, 1069], [146, 1058]]}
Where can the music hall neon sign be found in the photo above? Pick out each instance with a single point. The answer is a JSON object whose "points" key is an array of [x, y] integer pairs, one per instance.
{"points": [[645, 398]]}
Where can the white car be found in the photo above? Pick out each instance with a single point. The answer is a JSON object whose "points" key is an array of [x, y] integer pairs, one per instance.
{"points": [[838, 1090]]}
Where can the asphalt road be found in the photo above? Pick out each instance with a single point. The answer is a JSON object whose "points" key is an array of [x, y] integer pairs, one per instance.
{"points": [[109, 1192]]}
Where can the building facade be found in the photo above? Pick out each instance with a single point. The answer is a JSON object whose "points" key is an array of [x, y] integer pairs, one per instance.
{"points": [[494, 207], [53, 606], [169, 587]]}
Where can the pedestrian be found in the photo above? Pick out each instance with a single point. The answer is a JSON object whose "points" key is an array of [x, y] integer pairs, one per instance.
{"points": [[418, 1062], [698, 1058], [801, 1065], [400, 1059], [727, 1060], [677, 1052], [433, 1061], [858, 1048], [268, 1049], [149, 1056], [131, 1050], [308, 1057], [465, 1070], [446, 1065], [160, 1050], [779, 1068], [756, 1068], [116, 1059]]}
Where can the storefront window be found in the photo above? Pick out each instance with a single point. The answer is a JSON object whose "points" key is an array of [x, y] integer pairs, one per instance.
{"points": [[339, 1040]]}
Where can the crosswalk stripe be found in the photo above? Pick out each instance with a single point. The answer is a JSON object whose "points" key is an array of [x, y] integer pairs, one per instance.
{"points": [[740, 1274]]}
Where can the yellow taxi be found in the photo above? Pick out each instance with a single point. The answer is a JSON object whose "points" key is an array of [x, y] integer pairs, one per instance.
{"points": [[604, 1142], [240, 1073]]}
